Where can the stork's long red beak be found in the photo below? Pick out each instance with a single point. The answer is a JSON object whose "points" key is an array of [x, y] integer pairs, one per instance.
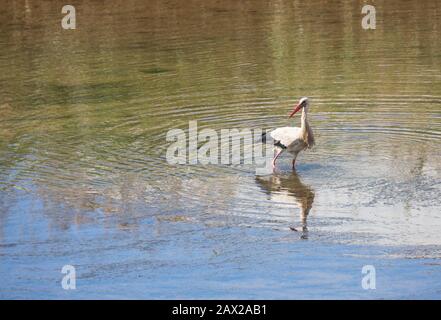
{"points": [[296, 108]]}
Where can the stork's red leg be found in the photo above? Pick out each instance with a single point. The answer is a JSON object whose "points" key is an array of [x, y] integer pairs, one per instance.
{"points": [[275, 158]]}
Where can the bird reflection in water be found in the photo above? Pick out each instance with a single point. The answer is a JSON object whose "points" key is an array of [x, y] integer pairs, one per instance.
{"points": [[289, 189]]}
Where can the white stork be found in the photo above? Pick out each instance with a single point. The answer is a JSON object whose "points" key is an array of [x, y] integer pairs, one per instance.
{"points": [[293, 139]]}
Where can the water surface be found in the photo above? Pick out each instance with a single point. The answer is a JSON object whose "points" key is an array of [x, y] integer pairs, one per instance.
{"points": [[83, 174]]}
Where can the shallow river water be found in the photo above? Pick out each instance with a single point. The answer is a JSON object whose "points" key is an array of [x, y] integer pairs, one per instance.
{"points": [[84, 178]]}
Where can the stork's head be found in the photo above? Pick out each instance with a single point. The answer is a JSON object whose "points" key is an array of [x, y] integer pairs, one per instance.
{"points": [[303, 103]]}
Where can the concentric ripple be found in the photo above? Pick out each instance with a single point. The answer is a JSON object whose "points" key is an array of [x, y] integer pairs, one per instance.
{"points": [[84, 117]]}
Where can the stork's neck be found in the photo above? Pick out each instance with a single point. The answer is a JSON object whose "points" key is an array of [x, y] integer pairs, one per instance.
{"points": [[304, 121], [306, 132]]}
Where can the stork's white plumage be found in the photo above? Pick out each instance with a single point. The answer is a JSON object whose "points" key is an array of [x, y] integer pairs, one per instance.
{"points": [[286, 135], [293, 139]]}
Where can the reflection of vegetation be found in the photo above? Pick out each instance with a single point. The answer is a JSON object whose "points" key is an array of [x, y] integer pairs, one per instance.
{"points": [[94, 93], [86, 103], [155, 70]]}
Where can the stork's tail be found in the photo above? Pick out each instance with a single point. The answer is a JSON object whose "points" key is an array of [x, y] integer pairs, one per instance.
{"points": [[263, 138]]}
